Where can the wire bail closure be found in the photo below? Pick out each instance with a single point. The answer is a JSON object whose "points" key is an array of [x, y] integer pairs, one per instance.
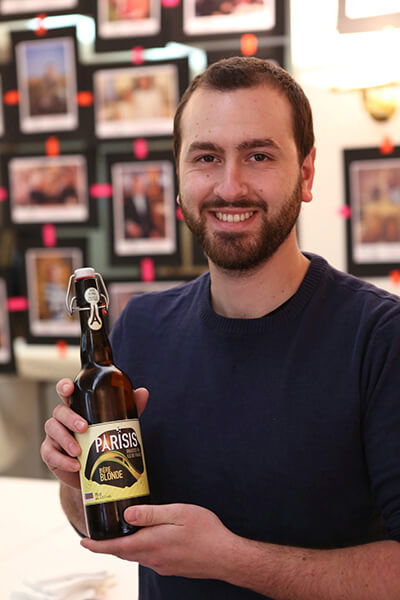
{"points": [[101, 288]]}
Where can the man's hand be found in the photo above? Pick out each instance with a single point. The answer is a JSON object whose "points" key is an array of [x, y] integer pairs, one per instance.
{"points": [[176, 539], [59, 449]]}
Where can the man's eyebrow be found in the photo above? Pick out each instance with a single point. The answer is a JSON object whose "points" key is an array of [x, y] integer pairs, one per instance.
{"points": [[246, 145], [208, 146], [258, 143]]}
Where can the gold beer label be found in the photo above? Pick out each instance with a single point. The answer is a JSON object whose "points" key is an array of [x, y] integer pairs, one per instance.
{"points": [[112, 462]]}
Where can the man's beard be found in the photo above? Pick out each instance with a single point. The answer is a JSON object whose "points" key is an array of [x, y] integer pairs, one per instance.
{"points": [[242, 251]]}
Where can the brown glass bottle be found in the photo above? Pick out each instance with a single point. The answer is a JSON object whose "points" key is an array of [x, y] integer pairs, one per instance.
{"points": [[103, 394]]}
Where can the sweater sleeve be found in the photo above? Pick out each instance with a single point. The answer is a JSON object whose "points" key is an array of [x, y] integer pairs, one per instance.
{"points": [[381, 421]]}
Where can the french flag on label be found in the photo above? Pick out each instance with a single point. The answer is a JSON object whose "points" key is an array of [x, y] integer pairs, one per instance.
{"points": [[89, 496]]}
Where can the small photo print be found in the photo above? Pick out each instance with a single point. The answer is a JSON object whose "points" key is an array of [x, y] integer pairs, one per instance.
{"points": [[5, 336], [48, 189], [47, 84], [11, 7], [128, 18], [135, 101], [121, 292], [143, 208], [48, 271], [207, 17], [375, 210]]}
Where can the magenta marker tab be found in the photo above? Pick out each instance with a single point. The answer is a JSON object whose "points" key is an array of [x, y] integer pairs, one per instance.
{"points": [[17, 304], [49, 236], [147, 269], [101, 190], [140, 148]]}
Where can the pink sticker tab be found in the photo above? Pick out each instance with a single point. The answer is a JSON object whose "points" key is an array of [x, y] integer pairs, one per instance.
{"points": [[147, 269], [395, 277], [170, 3], [49, 236], [179, 214], [3, 194], [17, 304], [101, 190], [140, 148], [61, 347], [138, 55], [344, 212]]}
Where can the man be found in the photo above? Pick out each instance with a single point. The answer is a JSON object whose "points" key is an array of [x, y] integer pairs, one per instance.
{"points": [[137, 211], [272, 430]]}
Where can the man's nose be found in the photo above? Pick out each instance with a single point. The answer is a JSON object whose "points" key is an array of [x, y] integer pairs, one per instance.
{"points": [[231, 184]]}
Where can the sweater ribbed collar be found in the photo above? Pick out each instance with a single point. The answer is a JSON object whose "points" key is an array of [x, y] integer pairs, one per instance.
{"points": [[277, 318]]}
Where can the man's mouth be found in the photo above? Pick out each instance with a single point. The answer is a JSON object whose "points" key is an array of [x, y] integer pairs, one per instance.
{"points": [[234, 217]]}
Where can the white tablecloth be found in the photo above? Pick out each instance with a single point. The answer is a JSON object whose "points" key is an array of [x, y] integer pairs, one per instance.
{"points": [[37, 542]]}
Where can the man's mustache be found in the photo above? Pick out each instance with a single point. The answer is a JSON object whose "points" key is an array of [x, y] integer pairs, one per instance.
{"points": [[220, 203]]}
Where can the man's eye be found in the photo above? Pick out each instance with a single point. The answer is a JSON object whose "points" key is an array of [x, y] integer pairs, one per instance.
{"points": [[258, 157], [206, 158]]}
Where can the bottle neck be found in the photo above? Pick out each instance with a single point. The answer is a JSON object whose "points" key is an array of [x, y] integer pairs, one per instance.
{"points": [[95, 346]]}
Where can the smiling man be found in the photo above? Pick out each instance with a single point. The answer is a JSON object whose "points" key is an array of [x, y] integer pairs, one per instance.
{"points": [[272, 427]]}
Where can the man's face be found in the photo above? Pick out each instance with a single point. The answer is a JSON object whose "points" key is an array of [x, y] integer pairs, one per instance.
{"points": [[241, 185]]}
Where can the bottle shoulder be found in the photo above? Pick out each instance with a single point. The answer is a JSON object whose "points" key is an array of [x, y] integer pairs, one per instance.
{"points": [[102, 374]]}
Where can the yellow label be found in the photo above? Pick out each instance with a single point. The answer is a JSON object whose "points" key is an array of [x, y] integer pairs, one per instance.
{"points": [[112, 462]]}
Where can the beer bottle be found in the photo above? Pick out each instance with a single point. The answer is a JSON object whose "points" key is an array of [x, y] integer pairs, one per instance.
{"points": [[113, 471]]}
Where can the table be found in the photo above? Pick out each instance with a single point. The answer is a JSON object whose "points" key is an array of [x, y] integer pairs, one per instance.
{"points": [[37, 541]]}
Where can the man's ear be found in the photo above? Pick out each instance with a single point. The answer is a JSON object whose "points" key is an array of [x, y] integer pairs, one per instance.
{"points": [[308, 172], [178, 200]]}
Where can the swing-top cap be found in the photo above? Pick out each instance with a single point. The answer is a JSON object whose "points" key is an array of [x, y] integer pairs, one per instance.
{"points": [[84, 272], [70, 301]]}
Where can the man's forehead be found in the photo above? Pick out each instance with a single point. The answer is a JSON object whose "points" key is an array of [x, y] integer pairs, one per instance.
{"points": [[264, 98], [203, 96]]}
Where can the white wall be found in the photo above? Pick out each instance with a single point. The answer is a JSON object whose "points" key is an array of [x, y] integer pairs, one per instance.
{"points": [[340, 122]]}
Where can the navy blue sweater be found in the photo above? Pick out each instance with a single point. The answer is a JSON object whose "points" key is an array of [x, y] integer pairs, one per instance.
{"points": [[286, 426]]}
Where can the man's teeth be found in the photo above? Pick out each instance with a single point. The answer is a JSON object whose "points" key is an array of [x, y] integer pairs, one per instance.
{"points": [[236, 218]]}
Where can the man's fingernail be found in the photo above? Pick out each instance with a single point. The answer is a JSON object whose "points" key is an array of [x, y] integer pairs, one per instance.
{"points": [[65, 388], [131, 513], [80, 425]]}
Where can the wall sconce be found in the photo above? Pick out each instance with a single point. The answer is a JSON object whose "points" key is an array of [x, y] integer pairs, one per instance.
{"points": [[358, 45], [381, 101]]}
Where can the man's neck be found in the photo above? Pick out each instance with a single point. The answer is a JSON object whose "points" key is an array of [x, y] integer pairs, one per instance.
{"points": [[257, 292]]}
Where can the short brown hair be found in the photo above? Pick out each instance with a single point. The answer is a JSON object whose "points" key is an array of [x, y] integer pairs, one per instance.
{"points": [[246, 72]]}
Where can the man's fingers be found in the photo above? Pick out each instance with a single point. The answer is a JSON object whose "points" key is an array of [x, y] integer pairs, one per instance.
{"points": [[69, 418], [62, 437], [141, 397], [56, 459], [64, 389], [147, 515]]}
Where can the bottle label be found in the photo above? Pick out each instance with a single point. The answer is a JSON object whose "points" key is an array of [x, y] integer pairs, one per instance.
{"points": [[112, 462], [92, 296]]}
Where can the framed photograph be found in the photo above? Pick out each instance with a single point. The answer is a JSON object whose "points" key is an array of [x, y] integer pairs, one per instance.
{"points": [[123, 24], [47, 85], [45, 73], [121, 291], [143, 209], [219, 16], [6, 347], [49, 189], [132, 101], [355, 16], [373, 196], [207, 20], [47, 272], [25, 9]]}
